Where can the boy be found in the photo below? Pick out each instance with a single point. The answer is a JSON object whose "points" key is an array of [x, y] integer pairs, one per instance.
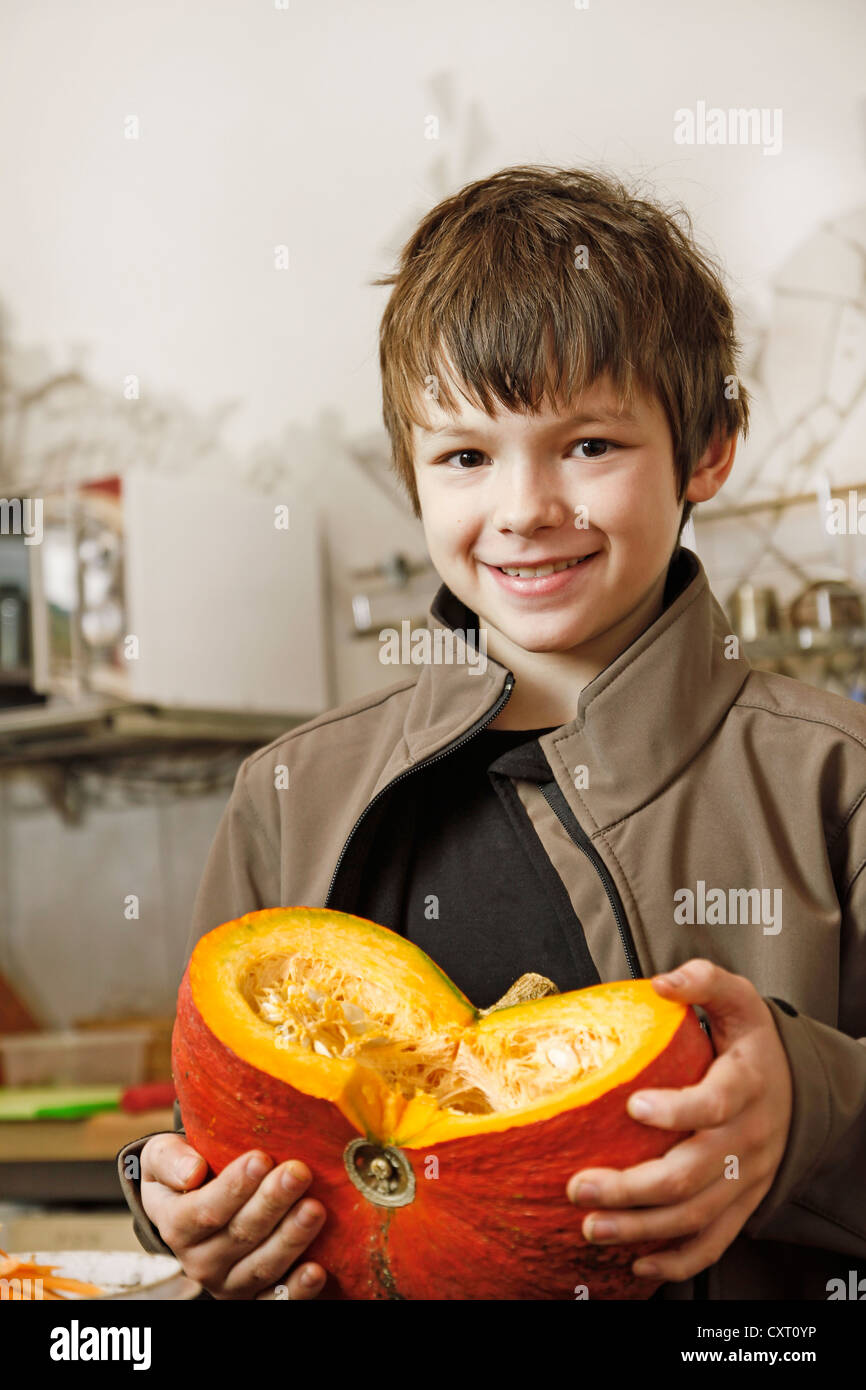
{"points": [[559, 381]]}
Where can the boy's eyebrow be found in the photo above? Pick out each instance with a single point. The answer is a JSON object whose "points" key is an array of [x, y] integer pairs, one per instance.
{"points": [[586, 417]]}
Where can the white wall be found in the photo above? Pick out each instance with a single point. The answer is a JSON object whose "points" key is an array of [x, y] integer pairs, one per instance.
{"points": [[305, 126]]}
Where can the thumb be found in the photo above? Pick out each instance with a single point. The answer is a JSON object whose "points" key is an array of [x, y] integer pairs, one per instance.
{"points": [[730, 1001], [170, 1160], [189, 1167]]}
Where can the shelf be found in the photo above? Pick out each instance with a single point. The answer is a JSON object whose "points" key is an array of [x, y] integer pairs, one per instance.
{"points": [[15, 675], [98, 726], [806, 641], [770, 504]]}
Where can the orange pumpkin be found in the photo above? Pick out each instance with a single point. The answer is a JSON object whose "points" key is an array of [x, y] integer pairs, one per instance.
{"points": [[440, 1137]]}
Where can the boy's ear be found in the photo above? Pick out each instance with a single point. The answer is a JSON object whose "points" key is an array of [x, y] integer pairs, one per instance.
{"points": [[712, 468]]}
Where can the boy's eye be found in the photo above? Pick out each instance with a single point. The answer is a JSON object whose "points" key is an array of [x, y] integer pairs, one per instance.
{"points": [[462, 454], [595, 446]]}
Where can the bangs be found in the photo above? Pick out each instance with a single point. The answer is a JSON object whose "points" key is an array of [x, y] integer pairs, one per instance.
{"points": [[494, 376]]}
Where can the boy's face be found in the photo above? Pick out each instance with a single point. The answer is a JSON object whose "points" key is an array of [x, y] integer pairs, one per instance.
{"points": [[506, 492]]}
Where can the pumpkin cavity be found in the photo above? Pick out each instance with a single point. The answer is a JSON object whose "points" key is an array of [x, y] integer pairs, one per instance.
{"points": [[317, 1006]]}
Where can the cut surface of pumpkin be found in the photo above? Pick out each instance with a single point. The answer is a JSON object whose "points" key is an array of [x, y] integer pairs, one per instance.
{"points": [[358, 1015], [325, 1037], [317, 1006]]}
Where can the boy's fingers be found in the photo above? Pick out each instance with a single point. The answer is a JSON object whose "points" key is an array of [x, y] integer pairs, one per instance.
{"points": [[305, 1282], [684, 1171], [198, 1215], [266, 1265], [276, 1194], [708, 1246], [169, 1159], [686, 1218], [728, 1087]]}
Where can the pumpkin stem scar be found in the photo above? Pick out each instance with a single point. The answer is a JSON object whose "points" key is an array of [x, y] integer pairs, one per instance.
{"points": [[381, 1266]]}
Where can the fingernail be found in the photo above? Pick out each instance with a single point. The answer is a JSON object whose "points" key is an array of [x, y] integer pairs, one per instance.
{"points": [[293, 1176], [308, 1216], [585, 1194], [638, 1107], [310, 1277], [645, 1267], [675, 978], [257, 1166], [601, 1228], [186, 1168]]}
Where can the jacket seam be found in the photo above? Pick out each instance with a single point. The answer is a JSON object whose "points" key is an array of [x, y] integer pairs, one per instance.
{"points": [[856, 874], [257, 819], [848, 817], [816, 1052], [846, 892], [336, 716], [830, 1216], [807, 718]]}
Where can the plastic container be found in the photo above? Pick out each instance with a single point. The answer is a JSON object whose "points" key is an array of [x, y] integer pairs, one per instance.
{"points": [[75, 1057]]}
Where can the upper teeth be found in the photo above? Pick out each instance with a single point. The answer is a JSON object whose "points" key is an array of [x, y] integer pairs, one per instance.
{"points": [[539, 570]]}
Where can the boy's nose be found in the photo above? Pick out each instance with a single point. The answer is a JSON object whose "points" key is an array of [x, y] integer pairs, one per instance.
{"points": [[528, 505]]}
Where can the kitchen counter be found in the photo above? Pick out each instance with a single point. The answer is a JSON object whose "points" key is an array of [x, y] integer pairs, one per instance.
{"points": [[70, 1160]]}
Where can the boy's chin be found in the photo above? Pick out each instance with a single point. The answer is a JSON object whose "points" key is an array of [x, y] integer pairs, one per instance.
{"points": [[532, 637]]}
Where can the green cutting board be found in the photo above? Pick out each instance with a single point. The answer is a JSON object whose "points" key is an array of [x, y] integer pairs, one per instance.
{"points": [[56, 1102]]}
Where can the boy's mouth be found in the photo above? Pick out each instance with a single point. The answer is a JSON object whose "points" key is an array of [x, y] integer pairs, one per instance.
{"points": [[538, 571], [542, 579]]}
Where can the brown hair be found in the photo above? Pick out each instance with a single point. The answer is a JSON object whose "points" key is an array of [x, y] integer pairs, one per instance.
{"points": [[489, 281]]}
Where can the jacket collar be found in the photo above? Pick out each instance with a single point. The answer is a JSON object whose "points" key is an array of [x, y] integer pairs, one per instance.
{"points": [[637, 724]]}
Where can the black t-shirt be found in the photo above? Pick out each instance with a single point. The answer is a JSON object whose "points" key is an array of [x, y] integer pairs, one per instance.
{"points": [[456, 867]]}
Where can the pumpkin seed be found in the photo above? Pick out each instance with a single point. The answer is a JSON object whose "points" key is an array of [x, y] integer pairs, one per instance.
{"points": [[562, 1058]]}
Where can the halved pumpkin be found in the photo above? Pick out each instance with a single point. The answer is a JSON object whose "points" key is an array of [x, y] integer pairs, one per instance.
{"points": [[440, 1137]]}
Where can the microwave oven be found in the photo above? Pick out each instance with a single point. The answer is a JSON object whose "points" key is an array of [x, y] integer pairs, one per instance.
{"points": [[173, 592]]}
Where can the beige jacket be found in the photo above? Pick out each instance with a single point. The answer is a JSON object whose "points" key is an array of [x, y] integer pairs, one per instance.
{"points": [[700, 771]]}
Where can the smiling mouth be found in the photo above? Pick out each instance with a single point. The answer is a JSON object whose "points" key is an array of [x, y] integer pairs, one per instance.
{"points": [[539, 571]]}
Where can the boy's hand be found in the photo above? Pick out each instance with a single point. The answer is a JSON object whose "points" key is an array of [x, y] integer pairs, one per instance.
{"points": [[741, 1108], [237, 1234]]}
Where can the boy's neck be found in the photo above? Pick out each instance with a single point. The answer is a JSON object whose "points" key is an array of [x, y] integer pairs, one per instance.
{"points": [[548, 684]]}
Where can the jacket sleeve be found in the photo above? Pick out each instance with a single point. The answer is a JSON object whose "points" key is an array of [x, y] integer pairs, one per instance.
{"points": [[242, 871], [241, 874], [129, 1173], [818, 1196]]}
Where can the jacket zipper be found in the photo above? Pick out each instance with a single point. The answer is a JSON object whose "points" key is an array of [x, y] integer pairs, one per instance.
{"points": [[578, 835], [443, 752]]}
